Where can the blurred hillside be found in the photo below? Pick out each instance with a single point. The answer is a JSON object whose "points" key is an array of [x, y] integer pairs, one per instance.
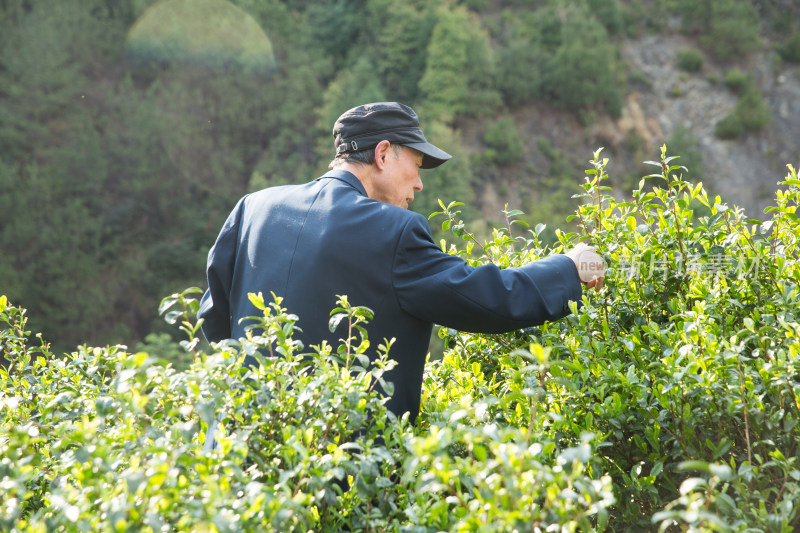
{"points": [[129, 128], [665, 104]]}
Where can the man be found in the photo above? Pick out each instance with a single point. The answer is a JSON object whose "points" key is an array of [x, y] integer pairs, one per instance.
{"points": [[350, 233]]}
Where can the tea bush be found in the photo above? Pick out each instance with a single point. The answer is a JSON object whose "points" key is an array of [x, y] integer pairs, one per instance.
{"points": [[684, 369], [107, 440], [669, 400]]}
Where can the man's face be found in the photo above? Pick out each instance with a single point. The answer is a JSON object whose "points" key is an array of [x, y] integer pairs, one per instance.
{"points": [[399, 180]]}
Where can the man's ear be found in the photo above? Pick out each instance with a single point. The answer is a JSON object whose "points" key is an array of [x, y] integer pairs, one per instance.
{"points": [[381, 153]]}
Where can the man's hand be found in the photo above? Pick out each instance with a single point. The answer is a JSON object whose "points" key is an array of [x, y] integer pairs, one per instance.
{"points": [[591, 268]]}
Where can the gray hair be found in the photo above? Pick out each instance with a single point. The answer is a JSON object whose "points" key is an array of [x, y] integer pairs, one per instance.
{"points": [[362, 157]]}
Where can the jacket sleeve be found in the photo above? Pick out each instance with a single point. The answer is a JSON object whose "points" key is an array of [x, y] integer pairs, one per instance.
{"points": [[215, 304], [445, 290]]}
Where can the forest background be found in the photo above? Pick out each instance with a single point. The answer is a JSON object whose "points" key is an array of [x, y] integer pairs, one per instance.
{"points": [[129, 128]]}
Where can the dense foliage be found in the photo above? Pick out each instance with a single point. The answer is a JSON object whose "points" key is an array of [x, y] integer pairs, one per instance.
{"points": [[667, 401], [129, 128]]}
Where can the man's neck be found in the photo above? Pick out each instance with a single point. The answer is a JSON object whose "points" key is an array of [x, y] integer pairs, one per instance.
{"points": [[362, 172]]}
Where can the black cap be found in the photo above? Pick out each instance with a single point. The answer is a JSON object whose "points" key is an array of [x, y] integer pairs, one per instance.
{"points": [[365, 126]]}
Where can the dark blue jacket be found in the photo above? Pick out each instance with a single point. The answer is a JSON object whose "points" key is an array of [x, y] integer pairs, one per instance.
{"points": [[309, 243]]}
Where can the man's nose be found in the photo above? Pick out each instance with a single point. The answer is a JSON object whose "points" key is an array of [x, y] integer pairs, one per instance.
{"points": [[418, 184]]}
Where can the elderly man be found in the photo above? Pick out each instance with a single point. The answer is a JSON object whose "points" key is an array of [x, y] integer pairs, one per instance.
{"points": [[350, 232]]}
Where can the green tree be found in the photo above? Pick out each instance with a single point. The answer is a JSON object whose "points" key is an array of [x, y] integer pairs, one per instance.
{"points": [[790, 49], [503, 142], [35, 103], [398, 45], [690, 60], [522, 57], [730, 127], [733, 29], [752, 109], [750, 115], [582, 71], [738, 81], [696, 15], [55, 170], [333, 25], [560, 53], [459, 69], [610, 13], [118, 183]]}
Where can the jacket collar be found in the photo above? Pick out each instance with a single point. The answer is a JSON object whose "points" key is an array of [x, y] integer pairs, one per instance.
{"points": [[347, 177]]}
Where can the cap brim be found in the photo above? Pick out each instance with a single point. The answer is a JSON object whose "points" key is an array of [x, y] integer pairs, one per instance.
{"points": [[432, 156]]}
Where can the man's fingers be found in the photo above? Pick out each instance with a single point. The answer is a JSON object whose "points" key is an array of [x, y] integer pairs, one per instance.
{"points": [[596, 284]]}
